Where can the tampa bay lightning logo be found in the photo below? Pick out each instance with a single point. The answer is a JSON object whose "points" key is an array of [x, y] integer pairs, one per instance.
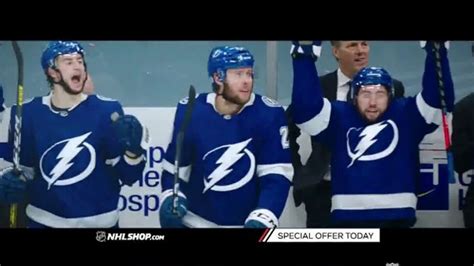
{"points": [[270, 102], [230, 156], [217, 53], [57, 160], [185, 100], [374, 142]]}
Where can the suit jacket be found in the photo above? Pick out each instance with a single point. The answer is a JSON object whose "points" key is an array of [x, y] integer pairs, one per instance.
{"points": [[463, 134], [311, 174]]}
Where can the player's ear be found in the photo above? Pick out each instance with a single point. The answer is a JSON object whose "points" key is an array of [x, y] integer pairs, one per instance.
{"points": [[53, 74], [218, 79], [335, 53]]}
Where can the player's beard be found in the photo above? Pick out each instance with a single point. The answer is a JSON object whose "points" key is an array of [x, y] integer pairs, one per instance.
{"points": [[366, 119], [68, 88], [381, 109], [233, 98]]}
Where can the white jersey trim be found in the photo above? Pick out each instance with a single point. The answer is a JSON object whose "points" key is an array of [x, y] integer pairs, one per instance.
{"points": [[373, 201], [46, 100], [104, 220], [284, 169], [318, 123], [211, 99], [430, 114], [169, 193], [184, 171], [105, 99], [192, 220]]}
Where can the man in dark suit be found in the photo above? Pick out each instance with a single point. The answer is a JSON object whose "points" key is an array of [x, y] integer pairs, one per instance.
{"points": [[463, 150], [311, 182]]}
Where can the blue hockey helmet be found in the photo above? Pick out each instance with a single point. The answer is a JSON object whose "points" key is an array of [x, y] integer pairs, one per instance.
{"points": [[228, 57], [372, 76], [56, 48]]}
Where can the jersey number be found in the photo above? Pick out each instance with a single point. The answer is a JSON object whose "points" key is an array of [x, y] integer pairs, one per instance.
{"points": [[284, 137]]}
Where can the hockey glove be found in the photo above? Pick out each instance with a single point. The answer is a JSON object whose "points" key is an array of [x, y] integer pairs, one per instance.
{"points": [[169, 219], [429, 45], [13, 185], [130, 134], [261, 218], [306, 48]]}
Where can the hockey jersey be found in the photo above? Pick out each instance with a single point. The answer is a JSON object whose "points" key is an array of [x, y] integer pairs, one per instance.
{"points": [[373, 166], [231, 165], [77, 162]]}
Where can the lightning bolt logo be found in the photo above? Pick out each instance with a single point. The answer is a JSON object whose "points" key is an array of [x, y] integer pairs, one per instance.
{"points": [[232, 154], [368, 138], [368, 135], [70, 150]]}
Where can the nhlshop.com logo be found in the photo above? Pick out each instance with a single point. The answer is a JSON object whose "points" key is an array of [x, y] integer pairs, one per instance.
{"points": [[102, 236]]}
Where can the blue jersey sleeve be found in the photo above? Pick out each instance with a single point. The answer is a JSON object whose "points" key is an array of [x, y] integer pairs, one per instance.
{"points": [[169, 160], [428, 101], [274, 168], [431, 84], [312, 112], [426, 105], [307, 99]]}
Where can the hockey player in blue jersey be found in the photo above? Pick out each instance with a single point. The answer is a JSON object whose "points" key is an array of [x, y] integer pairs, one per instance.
{"points": [[374, 138], [76, 149], [236, 168]]}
